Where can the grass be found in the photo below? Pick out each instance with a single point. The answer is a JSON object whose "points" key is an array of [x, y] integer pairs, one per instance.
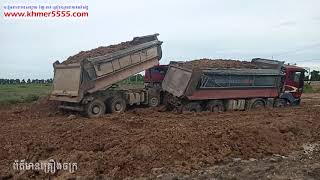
{"points": [[26, 93], [131, 82], [309, 89]]}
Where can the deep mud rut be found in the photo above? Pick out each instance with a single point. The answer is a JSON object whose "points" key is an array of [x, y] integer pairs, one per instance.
{"points": [[146, 143]]}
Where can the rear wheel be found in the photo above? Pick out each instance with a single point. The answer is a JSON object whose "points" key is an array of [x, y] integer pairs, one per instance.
{"points": [[95, 108], [215, 106], [257, 104], [192, 107], [280, 103], [116, 105], [154, 101]]}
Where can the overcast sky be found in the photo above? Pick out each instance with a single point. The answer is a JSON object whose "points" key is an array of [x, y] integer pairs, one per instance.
{"points": [[285, 29]]}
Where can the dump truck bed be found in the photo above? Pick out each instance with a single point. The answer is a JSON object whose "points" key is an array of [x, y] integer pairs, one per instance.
{"points": [[210, 83], [73, 81]]}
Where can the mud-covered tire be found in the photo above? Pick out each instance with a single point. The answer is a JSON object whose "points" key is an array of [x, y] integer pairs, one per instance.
{"points": [[258, 104], [192, 107], [116, 105], [215, 106], [154, 101], [280, 103], [95, 108]]}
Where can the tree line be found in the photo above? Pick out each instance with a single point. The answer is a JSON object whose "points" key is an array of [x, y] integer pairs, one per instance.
{"points": [[26, 81], [137, 77]]}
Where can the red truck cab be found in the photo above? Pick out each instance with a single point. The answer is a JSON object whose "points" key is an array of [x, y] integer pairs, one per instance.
{"points": [[156, 74], [294, 80]]}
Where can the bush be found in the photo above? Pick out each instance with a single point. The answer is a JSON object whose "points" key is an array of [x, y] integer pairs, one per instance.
{"points": [[309, 89], [30, 98]]}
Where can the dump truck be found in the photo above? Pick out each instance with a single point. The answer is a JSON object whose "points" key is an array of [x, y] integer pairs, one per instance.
{"points": [[272, 83], [90, 86]]}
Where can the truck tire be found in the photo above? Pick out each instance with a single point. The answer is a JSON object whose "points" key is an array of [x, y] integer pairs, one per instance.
{"points": [[257, 104], [215, 106], [95, 108], [192, 107], [116, 105], [280, 103], [154, 101]]}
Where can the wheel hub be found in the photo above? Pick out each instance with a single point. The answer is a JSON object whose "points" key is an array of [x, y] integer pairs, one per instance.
{"points": [[96, 110], [154, 101], [118, 107]]}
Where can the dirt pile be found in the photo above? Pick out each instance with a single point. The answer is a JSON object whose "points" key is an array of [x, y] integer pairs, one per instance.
{"points": [[141, 141], [101, 51], [218, 63]]}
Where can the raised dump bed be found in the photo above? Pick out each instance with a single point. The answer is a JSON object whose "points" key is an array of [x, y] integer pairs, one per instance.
{"points": [[85, 80]]}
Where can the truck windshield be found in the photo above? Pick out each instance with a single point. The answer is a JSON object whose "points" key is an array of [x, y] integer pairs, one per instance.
{"points": [[297, 77], [161, 70]]}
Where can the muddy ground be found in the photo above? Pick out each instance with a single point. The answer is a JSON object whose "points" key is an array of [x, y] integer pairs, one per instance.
{"points": [[315, 85], [146, 143]]}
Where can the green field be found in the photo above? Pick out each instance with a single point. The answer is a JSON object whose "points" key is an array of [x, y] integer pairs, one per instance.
{"points": [[310, 89], [22, 93]]}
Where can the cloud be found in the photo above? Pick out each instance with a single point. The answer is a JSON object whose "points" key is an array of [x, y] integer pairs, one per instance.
{"points": [[316, 18], [286, 24]]}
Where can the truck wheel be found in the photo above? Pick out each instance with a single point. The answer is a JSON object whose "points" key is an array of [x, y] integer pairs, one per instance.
{"points": [[116, 105], [215, 106], [95, 108], [154, 101], [257, 104], [192, 107], [280, 103]]}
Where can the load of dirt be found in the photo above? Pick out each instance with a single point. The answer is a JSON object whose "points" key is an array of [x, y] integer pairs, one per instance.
{"points": [[101, 51], [218, 64], [144, 141]]}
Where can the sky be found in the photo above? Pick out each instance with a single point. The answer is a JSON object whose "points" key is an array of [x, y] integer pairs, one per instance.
{"points": [[288, 30]]}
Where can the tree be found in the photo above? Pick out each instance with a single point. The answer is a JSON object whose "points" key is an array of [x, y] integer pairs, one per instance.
{"points": [[49, 81], [28, 81], [140, 77], [315, 76]]}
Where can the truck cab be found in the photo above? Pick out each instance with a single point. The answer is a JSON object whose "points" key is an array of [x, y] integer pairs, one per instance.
{"points": [[294, 80], [155, 75]]}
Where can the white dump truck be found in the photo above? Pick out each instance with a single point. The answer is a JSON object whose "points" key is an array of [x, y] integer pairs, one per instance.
{"points": [[89, 85]]}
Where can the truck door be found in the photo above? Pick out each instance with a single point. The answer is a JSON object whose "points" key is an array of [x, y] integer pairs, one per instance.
{"points": [[294, 82]]}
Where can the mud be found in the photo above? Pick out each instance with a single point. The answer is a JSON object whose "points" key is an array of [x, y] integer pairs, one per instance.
{"points": [[298, 165], [144, 142], [218, 63], [315, 85]]}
